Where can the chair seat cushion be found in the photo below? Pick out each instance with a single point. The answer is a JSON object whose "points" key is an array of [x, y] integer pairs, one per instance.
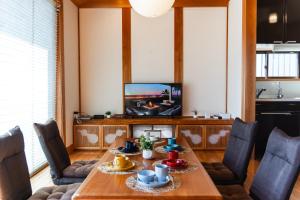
{"points": [[233, 192], [79, 169], [64, 192], [220, 174]]}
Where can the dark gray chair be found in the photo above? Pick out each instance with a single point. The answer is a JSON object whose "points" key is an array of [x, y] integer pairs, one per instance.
{"points": [[233, 169], [14, 175], [277, 173], [61, 169]]}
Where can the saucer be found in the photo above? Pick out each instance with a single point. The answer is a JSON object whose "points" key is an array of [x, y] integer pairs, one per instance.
{"points": [[124, 150], [155, 183], [129, 165], [172, 147], [175, 164]]}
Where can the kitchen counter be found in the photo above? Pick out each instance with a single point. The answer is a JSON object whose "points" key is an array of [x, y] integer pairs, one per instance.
{"points": [[295, 99]]}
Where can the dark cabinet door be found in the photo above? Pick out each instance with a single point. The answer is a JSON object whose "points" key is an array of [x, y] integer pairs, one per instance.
{"points": [[270, 21], [292, 18]]}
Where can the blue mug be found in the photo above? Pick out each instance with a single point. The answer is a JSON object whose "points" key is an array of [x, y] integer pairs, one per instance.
{"points": [[171, 141], [161, 172]]}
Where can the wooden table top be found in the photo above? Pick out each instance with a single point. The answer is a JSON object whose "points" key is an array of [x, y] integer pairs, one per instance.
{"points": [[196, 185]]}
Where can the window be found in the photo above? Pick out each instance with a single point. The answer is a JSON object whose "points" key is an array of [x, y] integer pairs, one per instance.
{"points": [[28, 30], [277, 65]]}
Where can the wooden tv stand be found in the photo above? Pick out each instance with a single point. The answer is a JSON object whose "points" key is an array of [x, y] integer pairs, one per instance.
{"points": [[204, 134]]}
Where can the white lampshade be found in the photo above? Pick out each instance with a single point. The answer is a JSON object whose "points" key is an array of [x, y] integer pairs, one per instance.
{"points": [[151, 8]]}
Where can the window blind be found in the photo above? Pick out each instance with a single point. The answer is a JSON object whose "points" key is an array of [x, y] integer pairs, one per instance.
{"points": [[277, 64], [28, 69]]}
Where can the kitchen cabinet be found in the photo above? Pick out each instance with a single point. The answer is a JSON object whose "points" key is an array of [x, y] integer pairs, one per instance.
{"points": [[283, 115], [292, 21], [270, 21], [278, 21]]}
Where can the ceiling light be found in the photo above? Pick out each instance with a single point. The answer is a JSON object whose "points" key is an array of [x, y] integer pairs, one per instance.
{"points": [[151, 8]]}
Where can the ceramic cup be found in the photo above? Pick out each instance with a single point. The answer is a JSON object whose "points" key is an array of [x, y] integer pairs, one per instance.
{"points": [[146, 176], [172, 155], [120, 161], [129, 146], [171, 141], [161, 172]]}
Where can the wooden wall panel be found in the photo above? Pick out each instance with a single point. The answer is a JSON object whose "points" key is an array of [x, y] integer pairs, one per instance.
{"points": [[125, 3], [178, 45], [126, 44], [249, 59]]}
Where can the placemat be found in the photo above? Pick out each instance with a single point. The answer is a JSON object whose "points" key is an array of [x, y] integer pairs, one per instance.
{"points": [[160, 149], [192, 166], [116, 151], [132, 183], [103, 167]]}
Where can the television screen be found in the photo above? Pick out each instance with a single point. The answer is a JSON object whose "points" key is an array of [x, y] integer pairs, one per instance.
{"points": [[153, 99]]}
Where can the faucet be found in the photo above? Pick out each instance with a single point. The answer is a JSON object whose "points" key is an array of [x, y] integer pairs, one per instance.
{"points": [[279, 93], [259, 92]]}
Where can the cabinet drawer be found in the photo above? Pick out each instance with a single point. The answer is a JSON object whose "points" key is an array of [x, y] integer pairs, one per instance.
{"points": [[111, 132], [193, 134], [217, 136], [86, 137]]}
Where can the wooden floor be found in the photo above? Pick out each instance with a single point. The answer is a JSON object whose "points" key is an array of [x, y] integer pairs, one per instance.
{"points": [[43, 178]]}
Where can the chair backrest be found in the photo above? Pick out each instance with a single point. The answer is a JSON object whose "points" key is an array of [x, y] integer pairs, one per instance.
{"points": [[14, 175], [239, 148], [279, 168], [53, 147]]}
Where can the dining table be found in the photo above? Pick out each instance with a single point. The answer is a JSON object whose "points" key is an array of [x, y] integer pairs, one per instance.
{"points": [[195, 185]]}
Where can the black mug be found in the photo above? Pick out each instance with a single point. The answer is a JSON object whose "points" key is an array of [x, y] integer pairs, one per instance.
{"points": [[129, 146]]}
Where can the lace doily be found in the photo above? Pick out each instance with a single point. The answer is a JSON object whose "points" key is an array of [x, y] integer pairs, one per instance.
{"points": [[132, 183], [104, 168], [191, 167], [116, 151], [161, 149]]}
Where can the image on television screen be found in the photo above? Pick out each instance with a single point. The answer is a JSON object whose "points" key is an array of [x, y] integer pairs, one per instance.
{"points": [[153, 99]]}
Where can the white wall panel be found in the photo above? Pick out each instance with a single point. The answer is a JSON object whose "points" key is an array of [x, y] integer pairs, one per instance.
{"points": [[204, 60], [235, 65], [71, 66], [153, 48], [101, 60]]}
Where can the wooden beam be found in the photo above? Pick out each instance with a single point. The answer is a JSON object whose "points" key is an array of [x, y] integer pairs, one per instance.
{"points": [[126, 44], [201, 3], [125, 3], [178, 45], [249, 59]]}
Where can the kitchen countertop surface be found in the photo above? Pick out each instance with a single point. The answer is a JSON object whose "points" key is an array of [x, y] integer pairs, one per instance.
{"points": [[294, 99]]}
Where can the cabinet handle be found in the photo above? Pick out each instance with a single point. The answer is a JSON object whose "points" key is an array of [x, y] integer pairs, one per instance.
{"points": [[291, 42], [271, 113], [277, 42]]}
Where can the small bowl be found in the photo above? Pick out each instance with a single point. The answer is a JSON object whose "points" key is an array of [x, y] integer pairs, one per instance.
{"points": [[146, 176]]}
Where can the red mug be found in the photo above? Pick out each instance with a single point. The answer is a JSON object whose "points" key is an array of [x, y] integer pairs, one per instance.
{"points": [[173, 155]]}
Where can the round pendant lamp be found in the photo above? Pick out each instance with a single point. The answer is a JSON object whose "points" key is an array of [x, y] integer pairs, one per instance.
{"points": [[151, 8]]}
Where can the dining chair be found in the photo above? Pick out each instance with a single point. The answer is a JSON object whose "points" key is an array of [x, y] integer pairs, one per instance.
{"points": [[14, 175], [233, 169], [277, 172], [61, 170]]}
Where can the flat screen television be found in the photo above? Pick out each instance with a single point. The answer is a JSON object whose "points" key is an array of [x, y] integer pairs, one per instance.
{"points": [[153, 99]]}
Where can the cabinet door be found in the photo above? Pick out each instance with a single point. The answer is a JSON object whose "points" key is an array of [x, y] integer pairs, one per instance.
{"points": [[86, 137], [217, 136], [193, 134], [293, 21], [111, 133], [270, 21]]}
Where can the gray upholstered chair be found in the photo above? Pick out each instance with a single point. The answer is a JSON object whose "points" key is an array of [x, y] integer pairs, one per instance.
{"points": [[277, 173], [14, 175], [61, 169], [233, 169]]}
